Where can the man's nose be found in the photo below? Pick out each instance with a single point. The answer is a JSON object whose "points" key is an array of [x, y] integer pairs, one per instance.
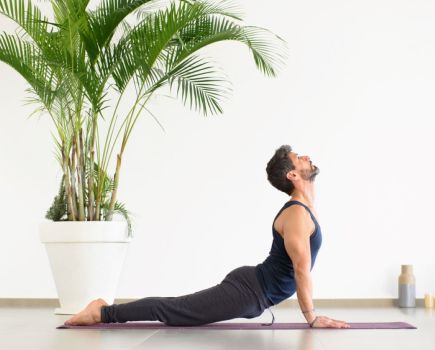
{"points": [[307, 158]]}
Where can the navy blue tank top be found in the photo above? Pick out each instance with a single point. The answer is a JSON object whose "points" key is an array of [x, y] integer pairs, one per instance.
{"points": [[276, 274]]}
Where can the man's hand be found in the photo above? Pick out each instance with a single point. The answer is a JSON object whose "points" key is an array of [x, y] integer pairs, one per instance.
{"points": [[326, 322]]}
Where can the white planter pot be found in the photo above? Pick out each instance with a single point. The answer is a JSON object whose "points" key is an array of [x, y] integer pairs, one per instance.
{"points": [[86, 260]]}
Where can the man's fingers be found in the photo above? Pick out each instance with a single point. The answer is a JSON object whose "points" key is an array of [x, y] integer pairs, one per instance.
{"points": [[341, 324], [326, 322], [337, 324], [338, 320]]}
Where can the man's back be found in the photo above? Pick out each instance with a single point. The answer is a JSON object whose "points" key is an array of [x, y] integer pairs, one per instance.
{"points": [[276, 274]]}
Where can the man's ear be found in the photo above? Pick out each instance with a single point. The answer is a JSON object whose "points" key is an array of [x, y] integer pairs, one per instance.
{"points": [[292, 175]]}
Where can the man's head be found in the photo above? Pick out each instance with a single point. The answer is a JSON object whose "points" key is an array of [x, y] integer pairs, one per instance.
{"points": [[286, 169]]}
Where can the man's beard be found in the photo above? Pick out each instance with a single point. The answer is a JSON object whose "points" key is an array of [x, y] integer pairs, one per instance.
{"points": [[310, 174]]}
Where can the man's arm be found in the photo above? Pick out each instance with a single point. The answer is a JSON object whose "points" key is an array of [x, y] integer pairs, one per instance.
{"points": [[296, 231]]}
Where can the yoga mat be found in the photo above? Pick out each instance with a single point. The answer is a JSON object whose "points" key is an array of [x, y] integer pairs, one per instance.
{"points": [[237, 326]]}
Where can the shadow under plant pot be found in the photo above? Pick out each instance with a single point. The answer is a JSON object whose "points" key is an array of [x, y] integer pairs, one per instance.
{"points": [[86, 259]]}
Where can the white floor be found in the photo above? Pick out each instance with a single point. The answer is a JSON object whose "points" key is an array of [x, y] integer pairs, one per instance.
{"points": [[34, 328]]}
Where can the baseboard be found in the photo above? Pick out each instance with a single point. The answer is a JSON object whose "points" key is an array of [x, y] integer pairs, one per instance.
{"points": [[349, 303], [289, 303]]}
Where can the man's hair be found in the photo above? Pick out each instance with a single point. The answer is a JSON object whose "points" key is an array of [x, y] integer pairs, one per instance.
{"points": [[278, 167]]}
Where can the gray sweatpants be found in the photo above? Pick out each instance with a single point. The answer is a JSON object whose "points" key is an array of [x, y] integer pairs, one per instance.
{"points": [[239, 295]]}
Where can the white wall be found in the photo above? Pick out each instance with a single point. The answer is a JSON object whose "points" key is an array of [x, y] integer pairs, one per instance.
{"points": [[356, 95]]}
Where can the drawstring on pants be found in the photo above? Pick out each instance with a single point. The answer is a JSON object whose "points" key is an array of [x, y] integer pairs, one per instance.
{"points": [[273, 319]]}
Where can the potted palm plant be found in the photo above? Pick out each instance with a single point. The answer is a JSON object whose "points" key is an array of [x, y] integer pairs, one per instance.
{"points": [[79, 64]]}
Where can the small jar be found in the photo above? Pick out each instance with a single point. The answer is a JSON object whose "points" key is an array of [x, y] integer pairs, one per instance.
{"points": [[429, 301]]}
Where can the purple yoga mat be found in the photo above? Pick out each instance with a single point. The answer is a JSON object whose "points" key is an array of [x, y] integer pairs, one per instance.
{"points": [[237, 326]]}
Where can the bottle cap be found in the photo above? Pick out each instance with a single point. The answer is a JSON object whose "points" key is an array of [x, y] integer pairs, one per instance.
{"points": [[406, 268]]}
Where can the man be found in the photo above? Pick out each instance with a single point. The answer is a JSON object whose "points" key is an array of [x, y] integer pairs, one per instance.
{"points": [[247, 291]]}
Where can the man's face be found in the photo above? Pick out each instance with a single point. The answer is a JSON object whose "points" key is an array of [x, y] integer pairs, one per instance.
{"points": [[304, 166]]}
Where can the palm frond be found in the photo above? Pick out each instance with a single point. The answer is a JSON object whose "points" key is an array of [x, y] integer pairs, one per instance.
{"points": [[147, 41], [227, 8], [202, 32], [27, 60], [120, 209], [106, 18], [66, 10], [27, 16], [267, 49], [188, 27], [149, 8], [199, 84]]}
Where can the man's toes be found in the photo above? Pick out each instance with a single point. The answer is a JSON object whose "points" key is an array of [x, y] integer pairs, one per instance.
{"points": [[69, 322], [89, 315]]}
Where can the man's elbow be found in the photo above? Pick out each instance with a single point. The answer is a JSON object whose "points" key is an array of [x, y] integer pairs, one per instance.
{"points": [[302, 272]]}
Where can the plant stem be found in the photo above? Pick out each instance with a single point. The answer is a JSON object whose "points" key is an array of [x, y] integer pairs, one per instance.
{"points": [[97, 209], [106, 157], [80, 176], [115, 188], [91, 172], [128, 129], [71, 166], [71, 213]]}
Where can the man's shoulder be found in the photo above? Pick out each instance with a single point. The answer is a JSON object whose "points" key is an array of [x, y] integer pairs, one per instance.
{"points": [[295, 210], [295, 216]]}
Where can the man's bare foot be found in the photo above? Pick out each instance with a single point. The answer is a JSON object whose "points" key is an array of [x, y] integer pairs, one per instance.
{"points": [[91, 314]]}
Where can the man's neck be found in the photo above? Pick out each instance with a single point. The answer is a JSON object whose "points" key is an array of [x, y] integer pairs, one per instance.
{"points": [[305, 194]]}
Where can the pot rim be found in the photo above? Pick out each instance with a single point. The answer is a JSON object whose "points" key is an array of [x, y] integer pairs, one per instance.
{"points": [[84, 232]]}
